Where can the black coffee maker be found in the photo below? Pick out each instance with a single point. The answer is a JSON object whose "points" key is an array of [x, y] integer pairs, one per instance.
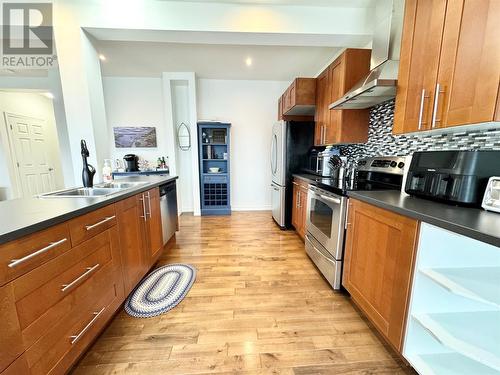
{"points": [[131, 163]]}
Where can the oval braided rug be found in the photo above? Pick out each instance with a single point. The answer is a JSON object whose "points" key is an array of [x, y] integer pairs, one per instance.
{"points": [[160, 291]]}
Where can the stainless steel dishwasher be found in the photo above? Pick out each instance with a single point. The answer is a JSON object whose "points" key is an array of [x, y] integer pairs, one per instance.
{"points": [[168, 208]]}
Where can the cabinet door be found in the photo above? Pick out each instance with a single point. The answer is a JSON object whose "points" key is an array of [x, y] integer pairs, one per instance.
{"points": [[379, 257], [419, 63], [336, 90], [130, 224], [11, 342], [154, 226], [321, 110], [280, 108], [470, 63], [295, 208], [303, 210]]}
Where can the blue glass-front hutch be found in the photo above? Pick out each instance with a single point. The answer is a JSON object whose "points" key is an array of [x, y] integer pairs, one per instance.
{"points": [[214, 159]]}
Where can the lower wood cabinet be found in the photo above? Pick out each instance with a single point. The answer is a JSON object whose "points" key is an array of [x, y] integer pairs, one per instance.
{"points": [[57, 301], [378, 265], [299, 206]]}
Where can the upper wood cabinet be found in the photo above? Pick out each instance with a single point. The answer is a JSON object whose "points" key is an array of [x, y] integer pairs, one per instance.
{"points": [[449, 65], [341, 125], [298, 101], [379, 259]]}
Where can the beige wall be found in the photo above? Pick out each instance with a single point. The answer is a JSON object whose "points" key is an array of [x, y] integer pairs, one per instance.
{"points": [[32, 105]]}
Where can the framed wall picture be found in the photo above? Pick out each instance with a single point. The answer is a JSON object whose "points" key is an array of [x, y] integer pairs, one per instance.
{"points": [[135, 136]]}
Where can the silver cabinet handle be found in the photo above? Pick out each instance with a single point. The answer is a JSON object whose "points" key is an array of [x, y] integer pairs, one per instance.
{"points": [[15, 262], [77, 337], [298, 200], [144, 215], [149, 203], [88, 271], [436, 105], [90, 227], [421, 112]]}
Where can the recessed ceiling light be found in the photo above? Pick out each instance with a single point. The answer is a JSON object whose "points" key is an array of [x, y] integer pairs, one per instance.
{"points": [[48, 95], [248, 61], [102, 57]]}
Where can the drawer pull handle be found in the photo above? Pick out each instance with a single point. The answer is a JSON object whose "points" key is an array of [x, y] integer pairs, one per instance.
{"points": [[90, 227], [15, 262], [88, 271], [77, 337], [149, 203]]}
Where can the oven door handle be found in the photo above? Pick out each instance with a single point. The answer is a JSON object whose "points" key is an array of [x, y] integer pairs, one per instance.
{"points": [[330, 199]]}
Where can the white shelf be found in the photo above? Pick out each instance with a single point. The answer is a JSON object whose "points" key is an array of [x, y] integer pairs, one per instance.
{"points": [[478, 283], [449, 364], [475, 335]]}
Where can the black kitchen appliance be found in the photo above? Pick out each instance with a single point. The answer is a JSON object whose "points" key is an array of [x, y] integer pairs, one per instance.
{"points": [[131, 163], [457, 177]]}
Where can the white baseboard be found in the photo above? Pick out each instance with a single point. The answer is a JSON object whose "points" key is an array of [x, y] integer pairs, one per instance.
{"points": [[253, 208]]}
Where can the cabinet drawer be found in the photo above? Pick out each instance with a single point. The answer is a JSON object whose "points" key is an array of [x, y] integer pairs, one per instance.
{"points": [[66, 338], [18, 367], [20, 256], [38, 313], [87, 226], [40, 291]]}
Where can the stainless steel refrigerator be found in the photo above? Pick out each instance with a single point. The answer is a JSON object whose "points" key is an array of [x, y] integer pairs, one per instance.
{"points": [[290, 143]]}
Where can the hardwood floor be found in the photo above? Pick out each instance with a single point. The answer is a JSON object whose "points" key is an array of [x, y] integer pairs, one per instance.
{"points": [[258, 306]]}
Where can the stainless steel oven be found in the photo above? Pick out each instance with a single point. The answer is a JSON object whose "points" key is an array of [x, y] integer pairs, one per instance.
{"points": [[325, 224]]}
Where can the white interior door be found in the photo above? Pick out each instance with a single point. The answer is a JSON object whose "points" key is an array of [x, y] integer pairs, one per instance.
{"points": [[30, 154]]}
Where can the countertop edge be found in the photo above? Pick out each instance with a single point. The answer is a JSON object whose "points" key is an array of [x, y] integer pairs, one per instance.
{"points": [[453, 227], [33, 228]]}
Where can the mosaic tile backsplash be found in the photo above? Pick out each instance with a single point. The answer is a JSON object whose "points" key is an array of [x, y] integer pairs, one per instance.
{"points": [[382, 142]]}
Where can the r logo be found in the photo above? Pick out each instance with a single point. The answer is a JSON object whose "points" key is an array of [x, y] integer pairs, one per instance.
{"points": [[27, 29]]}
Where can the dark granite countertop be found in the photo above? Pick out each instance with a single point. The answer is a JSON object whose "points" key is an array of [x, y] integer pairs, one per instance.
{"points": [[20, 217], [471, 222]]}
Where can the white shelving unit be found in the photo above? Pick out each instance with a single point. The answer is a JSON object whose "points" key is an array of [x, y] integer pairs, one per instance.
{"points": [[453, 324]]}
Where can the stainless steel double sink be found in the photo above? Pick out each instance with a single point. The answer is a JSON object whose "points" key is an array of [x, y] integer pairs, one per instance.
{"points": [[99, 190]]}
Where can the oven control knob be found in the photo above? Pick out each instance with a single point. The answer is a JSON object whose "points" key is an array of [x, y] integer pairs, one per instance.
{"points": [[401, 164], [393, 164]]}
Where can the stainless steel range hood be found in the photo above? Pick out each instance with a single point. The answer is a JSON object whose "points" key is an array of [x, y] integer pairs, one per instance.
{"points": [[380, 84]]}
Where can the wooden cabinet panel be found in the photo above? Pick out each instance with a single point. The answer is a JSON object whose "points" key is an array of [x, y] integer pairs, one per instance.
{"points": [[135, 261], [341, 126], [22, 255], [449, 69], [322, 98], [18, 367], [46, 294], [470, 63], [51, 336], [299, 206], [154, 226], [11, 343], [418, 69], [379, 258], [298, 101], [87, 226]]}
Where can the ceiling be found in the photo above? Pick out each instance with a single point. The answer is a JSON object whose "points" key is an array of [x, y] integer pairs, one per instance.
{"points": [[319, 3], [150, 59]]}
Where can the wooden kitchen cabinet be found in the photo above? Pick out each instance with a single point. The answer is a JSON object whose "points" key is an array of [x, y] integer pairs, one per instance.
{"points": [[154, 226], [298, 101], [299, 206], [141, 239], [449, 68], [341, 125], [135, 260], [378, 265]]}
